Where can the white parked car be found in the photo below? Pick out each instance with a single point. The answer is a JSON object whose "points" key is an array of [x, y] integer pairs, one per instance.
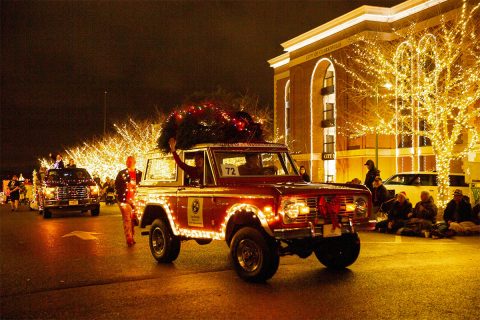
{"points": [[413, 183]]}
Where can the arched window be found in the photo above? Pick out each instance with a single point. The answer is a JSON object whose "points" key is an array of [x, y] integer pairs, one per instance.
{"points": [[323, 121], [328, 123]]}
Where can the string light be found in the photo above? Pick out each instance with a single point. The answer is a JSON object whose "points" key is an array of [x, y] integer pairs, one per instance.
{"points": [[105, 157], [435, 73]]}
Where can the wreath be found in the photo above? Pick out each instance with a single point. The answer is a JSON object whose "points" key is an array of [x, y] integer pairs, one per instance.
{"points": [[208, 122]]}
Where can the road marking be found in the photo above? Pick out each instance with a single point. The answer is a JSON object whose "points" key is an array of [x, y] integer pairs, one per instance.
{"points": [[84, 235], [398, 239]]}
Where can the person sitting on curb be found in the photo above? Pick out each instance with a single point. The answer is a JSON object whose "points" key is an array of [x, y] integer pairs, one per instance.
{"points": [[458, 214], [379, 194], [397, 215], [422, 217]]}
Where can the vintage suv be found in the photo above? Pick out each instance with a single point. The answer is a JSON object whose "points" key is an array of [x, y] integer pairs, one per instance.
{"points": [[262, 212]]}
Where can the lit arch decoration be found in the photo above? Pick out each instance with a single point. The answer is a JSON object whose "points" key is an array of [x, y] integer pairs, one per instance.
{"points": [[311, 104]]}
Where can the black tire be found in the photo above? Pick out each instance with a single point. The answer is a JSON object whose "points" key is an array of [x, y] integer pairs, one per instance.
{"points": [[95, 212], [47, 214], [255, 257], [164, 245], [339, 252]]}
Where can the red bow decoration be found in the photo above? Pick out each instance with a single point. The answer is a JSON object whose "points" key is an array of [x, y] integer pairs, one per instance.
{"points": [[333, 208]]}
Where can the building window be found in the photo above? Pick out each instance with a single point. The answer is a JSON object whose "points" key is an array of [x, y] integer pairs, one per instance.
{"points": [[329, 147], [328, 115], [328, 84]]}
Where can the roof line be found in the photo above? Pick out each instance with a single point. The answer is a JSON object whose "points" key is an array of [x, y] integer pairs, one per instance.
{"points": [[359, 15]]}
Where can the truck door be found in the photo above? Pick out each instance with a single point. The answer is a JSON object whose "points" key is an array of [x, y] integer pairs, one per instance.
{"points": [[195, 197]]}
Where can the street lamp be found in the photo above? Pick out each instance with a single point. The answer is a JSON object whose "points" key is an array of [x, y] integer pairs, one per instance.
{"points": [[105, 112]]}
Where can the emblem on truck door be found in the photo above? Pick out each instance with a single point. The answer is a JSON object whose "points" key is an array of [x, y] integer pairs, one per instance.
{"points": [[195, 212]]}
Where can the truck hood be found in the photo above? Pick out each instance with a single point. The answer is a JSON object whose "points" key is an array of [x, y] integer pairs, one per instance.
{"points": [[66, 183], [285, 189]]}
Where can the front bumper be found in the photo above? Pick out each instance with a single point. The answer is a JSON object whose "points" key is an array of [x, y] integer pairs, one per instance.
{"points": [[306, 232], [72, 204]]}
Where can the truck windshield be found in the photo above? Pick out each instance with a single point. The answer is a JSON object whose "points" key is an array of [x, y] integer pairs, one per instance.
{"points": [[67, 174], [254, 163]]}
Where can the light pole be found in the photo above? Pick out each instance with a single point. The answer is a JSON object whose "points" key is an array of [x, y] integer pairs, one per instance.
{"points": [[105, 112]]}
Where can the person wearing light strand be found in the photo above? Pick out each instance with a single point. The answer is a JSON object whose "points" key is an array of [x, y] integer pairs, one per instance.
{"points": [[126, 185]]}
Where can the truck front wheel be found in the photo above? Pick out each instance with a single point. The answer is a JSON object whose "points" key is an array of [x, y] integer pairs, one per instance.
{"points": [[255, 258], [164, 245], [95, 212], [339, 252]]}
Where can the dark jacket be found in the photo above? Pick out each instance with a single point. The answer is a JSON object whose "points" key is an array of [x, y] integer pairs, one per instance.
{"points": [[123, 178], [58, 165], [379, 195], [193, 172], [370, 177], [429, 211], [400, 212], [305, 177], [464, 211]]}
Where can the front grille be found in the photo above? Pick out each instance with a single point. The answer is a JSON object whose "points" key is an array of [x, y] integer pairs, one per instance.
{"points": [[74, 192], [315, 215]]}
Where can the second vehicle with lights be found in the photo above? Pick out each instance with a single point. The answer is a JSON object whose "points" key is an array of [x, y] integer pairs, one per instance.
{"points": [[68, 189]]}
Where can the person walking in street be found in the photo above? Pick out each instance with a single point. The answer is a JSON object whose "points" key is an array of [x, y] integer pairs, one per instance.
{"points": [[371, 174], [14, 189], [304, 174], [126, 185]]}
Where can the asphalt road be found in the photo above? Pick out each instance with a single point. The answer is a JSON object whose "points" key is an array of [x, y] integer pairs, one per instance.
{"points": [[75, 266]]}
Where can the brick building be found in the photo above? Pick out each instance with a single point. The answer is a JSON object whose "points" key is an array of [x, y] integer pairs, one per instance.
{"points": [[310, 102]]}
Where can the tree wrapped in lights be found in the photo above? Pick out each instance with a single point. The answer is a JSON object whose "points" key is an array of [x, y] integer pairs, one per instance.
{"points": [[435, 74], [106, 156]]}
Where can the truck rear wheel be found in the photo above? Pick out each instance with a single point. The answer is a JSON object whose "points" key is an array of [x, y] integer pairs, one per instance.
{"points": [[255, 258], [339, 252], [164, 245], [47, 214]]}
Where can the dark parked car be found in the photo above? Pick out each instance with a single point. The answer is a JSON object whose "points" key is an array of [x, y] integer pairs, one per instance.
{"points": [[68, 189]]}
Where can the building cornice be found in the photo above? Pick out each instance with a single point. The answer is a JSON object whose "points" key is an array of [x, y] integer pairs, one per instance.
{"points": [[355, 17]]}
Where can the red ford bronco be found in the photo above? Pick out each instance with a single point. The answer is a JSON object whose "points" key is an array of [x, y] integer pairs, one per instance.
{"points": [[251, 196]]}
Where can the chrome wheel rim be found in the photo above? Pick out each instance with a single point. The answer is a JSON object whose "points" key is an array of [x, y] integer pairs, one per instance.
{"points": [[158, 241], [249, 255]]}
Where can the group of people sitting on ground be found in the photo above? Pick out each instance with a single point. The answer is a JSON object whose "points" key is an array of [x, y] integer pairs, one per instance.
{"points": [[403, 219]]}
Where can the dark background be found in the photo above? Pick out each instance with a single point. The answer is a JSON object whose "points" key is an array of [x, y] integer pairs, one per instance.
{"points": [[58, 58]]}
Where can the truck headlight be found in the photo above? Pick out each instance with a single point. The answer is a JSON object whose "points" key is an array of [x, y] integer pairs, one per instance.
{"points": [[293, 208], [94, 190], [361, 207], [50, 193]]}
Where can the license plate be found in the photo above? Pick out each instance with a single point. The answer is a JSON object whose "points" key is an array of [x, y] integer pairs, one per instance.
{"points": [[328, 231], [73, 202]]}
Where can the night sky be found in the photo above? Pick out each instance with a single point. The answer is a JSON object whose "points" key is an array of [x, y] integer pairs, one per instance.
{"points": [[58, 58]]}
